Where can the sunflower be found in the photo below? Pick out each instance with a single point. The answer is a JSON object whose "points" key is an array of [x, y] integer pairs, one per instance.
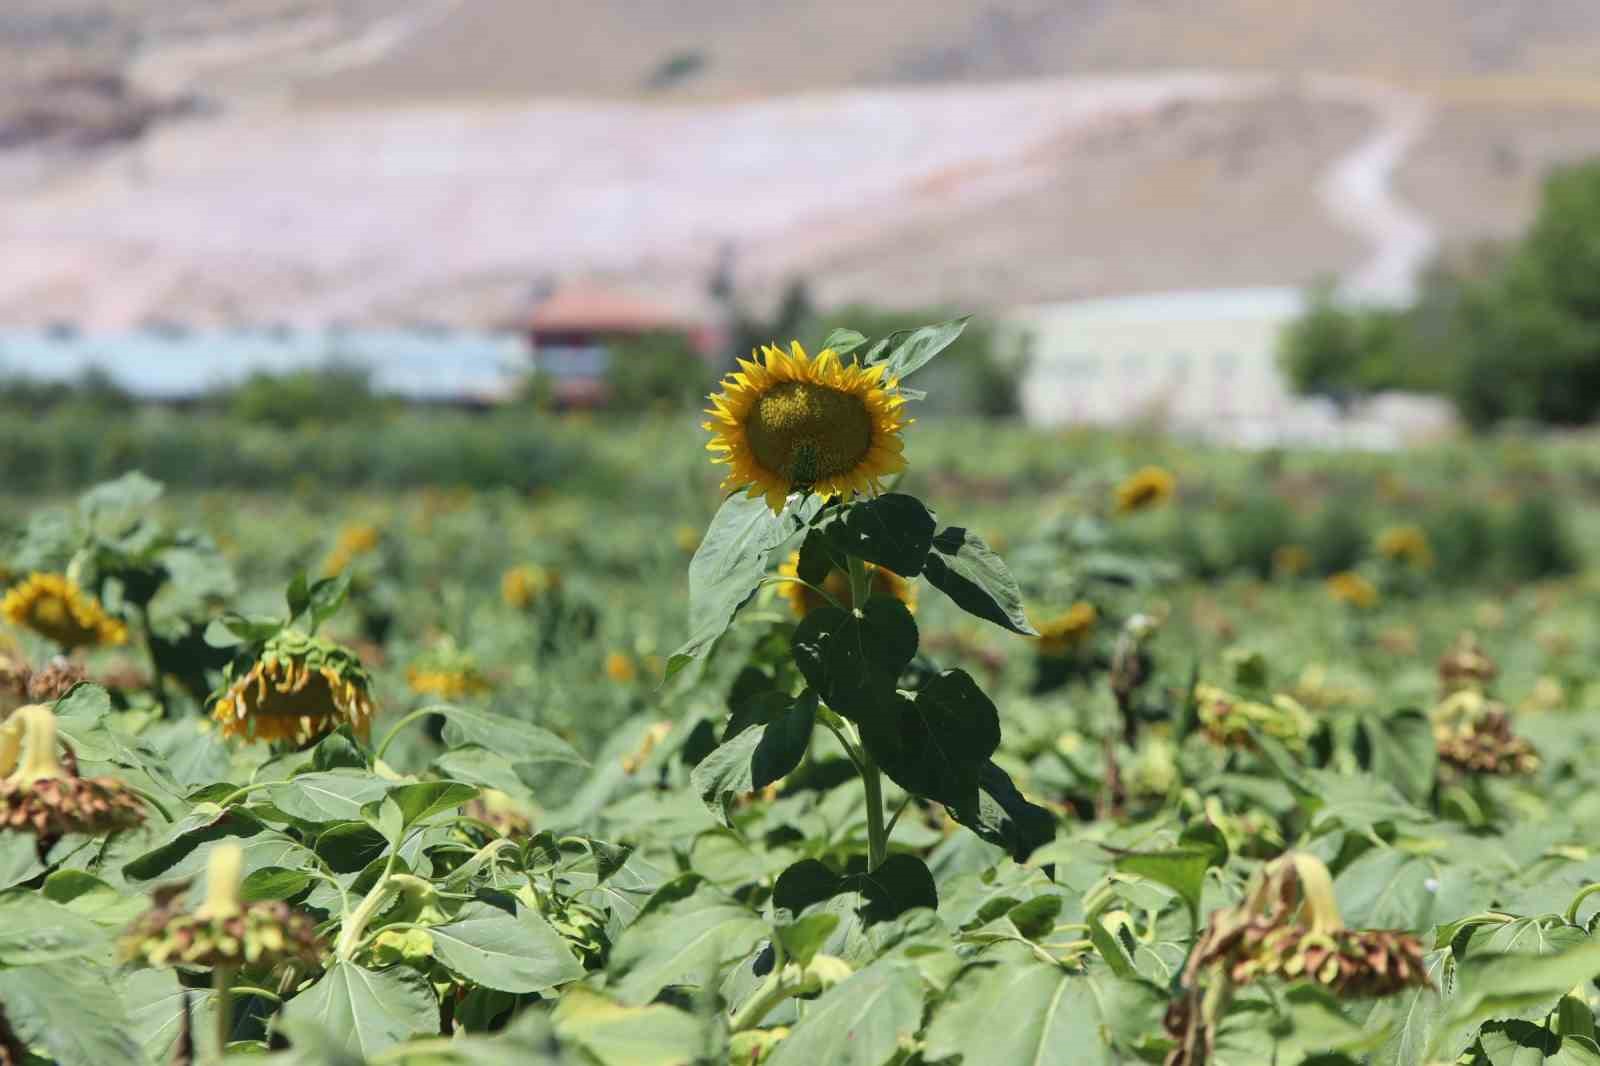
{"points": [[791, 422], [1406, 544], [356, 539], [41, 797], [1067, 630], [620, 668], [1351, 588], [447, 673], [1145, 488], [53, 606], [523, 586], [296, 688], [882, 581]]}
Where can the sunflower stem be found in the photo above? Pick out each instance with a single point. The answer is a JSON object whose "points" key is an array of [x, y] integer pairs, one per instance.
{"points": [[221, 981], [871, 776]]}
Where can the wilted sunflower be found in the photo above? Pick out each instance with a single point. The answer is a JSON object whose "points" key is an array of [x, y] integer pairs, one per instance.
{"points": [[40, 797], [1406, 544], [53, 606], [1351, 588], [1231, 722], [1059, 635], [297, 688], [882, 581], [223, 932], [523, 586], [1148, 487], [788, 422]]}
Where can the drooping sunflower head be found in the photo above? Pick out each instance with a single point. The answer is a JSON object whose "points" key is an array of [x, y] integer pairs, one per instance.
{"points": [[1059, 635], [39, 795], [1145, 488], [803, 599], [788, 422], [1349, 587], [223, 931], [53, 606], [1406, 544], [296, 688], [525, 585], [447, 673]]}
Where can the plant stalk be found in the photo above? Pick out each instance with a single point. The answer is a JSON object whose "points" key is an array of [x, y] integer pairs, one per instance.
{"points": [[222, 982], [871, 776]]}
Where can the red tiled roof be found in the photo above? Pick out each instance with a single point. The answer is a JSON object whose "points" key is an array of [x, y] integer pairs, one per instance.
{"points": [[591, 308]]}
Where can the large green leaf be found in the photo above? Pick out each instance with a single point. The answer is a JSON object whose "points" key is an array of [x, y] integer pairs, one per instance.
{"points": [[513, 954], [365, 1011], [893, 530], [852, 659], [1509, 987], [688, 933], [1182, 869], [334, 796], [519, 741], [906, 351], [728, 566], [618, 1035], [71, 1011], [977, 580], [1022, 1011], [1005, 817], [34, 930], [1518, 1043], [937, 742], [758, 755], [859, 1022]]}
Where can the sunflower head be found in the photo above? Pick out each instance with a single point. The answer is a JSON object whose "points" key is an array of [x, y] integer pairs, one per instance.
{"points": [[223, 931], [1067, 630], [53, 606], [787, 422], [447, 673], [295, 688], [1148, 487], [1465, 665], [355, 540], [523, 586], [1406, 544], [621, 668], [1349, 587], [883, 582], [39, 796]]}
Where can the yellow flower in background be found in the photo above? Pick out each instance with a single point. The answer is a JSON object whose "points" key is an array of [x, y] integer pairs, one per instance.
{"points": [[523, 586], [791, 422], [620, 668], [356, 539], [1149, 487], [1290, 560], [446, 684], [1406, 544], [53, 606], [1059, 635], [883, 582], [688, 538], [1351, 588], [297, 688]]}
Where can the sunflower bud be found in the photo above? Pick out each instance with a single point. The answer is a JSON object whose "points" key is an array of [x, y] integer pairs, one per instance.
{"points": [[223, 931]]}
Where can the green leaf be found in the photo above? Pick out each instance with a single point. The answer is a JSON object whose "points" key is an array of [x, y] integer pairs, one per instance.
{"points": [[486, 945], [804, 937], [273, 883], [688, 933], [729, 565], [936, 743], [89, 896], [1509, 987], [365, 1011], [853, 660], [19, 859], [900, 884], [154, 1001], [1005, 817], [977, 580], [618, 1035], [860, 1022], [519, 741], [34, 930], [1021, 1011], [893, 530], [333, 796], [757, 756], [1518, 1043], [1400, 749], [1181, 869], [907, 351], [69, 1010], [423, 800]]}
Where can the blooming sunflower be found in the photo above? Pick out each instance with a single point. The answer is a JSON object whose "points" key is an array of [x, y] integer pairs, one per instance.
{"points": [[355, 540], [788, 422], [447, 673], [53, 606], [1067, 630], [1145, 488], [523, 586], [883, 582], [1351, 588], [620, 668], [296, 688], [1406, 544]]}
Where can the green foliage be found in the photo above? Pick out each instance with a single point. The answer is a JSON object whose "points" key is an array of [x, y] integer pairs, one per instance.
{"points": [[331, 396], [656, 371], [1537, 543]]}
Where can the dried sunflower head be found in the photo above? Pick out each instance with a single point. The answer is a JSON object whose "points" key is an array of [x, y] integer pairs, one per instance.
{"points": [[295, 688], [39, 796], [1474, 735], [223, 931], [1230, 721], [53, 606], [1464, 665]]}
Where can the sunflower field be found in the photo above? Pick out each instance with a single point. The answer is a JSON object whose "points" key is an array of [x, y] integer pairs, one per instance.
{"points": [[913, 742]]}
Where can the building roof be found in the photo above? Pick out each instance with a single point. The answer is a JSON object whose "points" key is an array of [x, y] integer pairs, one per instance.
{"points": [[595, 309]]}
